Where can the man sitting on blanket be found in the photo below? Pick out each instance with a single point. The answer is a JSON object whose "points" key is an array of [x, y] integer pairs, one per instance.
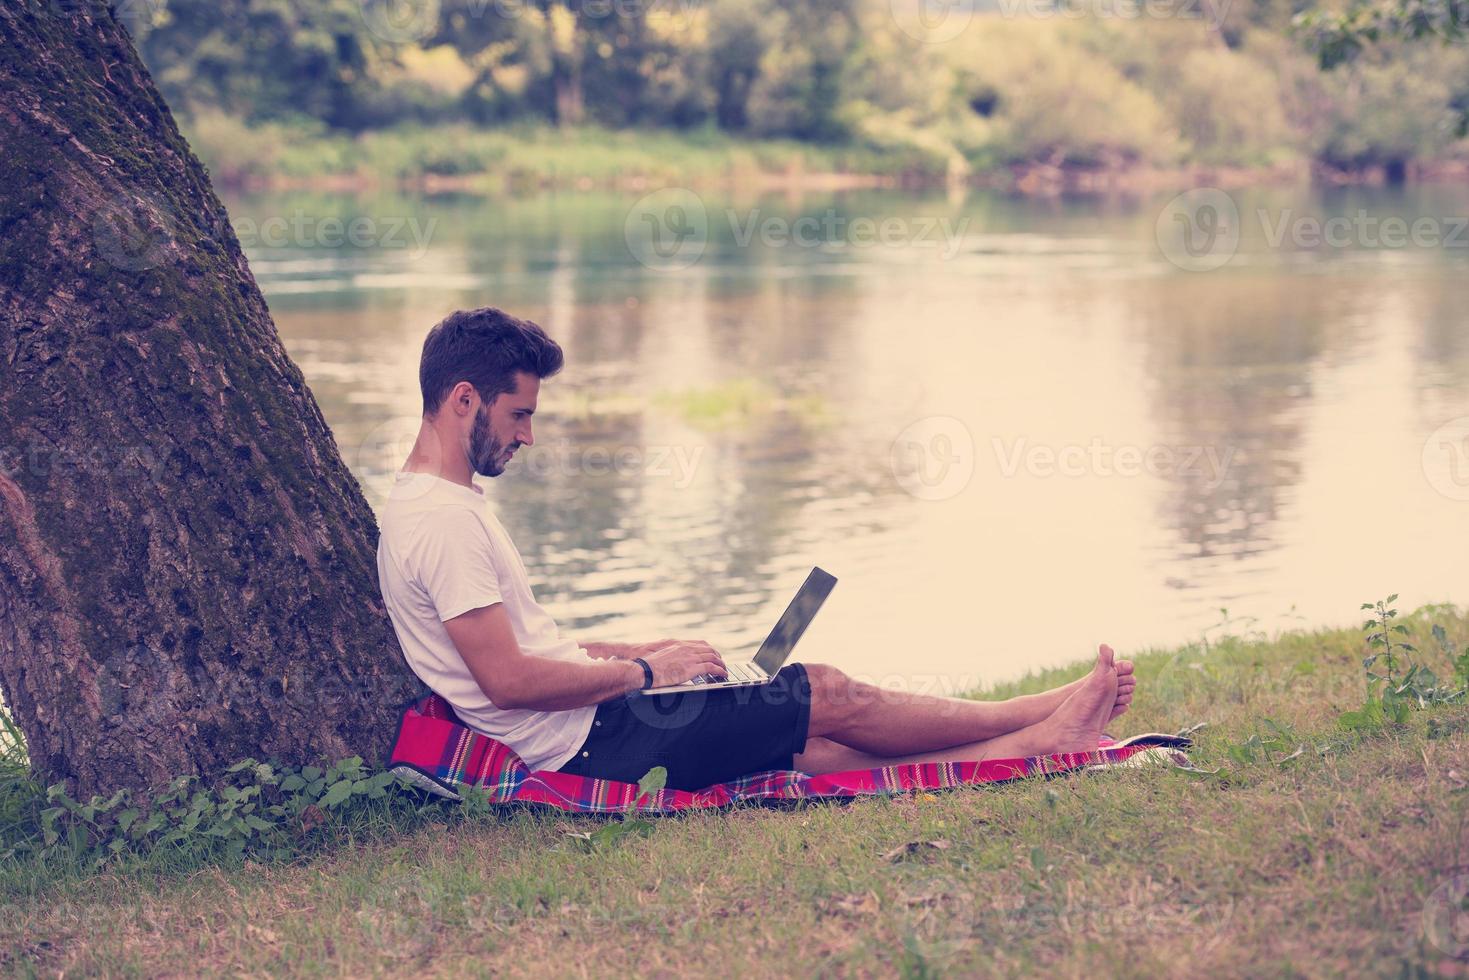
{"points": [[456, 590]]}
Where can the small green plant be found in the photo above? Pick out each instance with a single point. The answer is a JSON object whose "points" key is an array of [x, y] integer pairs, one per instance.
{"points": [[1277, 745], [1227, 626], [1460, 661], [257, 809], [612, 832], [1380, 629], [1404, 685]]}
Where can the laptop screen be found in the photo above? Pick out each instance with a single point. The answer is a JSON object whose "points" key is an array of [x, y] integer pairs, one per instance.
{"points": [[793, 622]]}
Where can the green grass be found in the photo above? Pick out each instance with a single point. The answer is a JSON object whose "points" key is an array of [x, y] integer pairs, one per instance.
{"points": [[1318, 865], [520, 158]]}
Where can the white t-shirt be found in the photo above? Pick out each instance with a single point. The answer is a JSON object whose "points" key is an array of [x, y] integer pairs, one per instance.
{"points": [[442, 553]]}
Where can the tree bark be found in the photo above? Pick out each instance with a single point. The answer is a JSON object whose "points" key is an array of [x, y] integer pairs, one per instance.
{"points": [[187, 571]]}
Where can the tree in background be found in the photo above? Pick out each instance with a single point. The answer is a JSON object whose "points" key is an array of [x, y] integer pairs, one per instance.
{"points": [[1338, 36], [803, 75], [740, 32], [266, 59]]}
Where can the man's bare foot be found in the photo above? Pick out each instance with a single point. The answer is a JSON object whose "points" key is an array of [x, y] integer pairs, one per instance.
{"points": [[1076, 726], [1126, 684]]}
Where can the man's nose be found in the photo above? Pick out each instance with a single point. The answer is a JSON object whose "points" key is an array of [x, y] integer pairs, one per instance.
{"points": [[526, 437]]}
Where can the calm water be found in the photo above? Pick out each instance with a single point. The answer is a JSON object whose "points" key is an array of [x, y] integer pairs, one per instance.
{"points": [[1012, 429]]}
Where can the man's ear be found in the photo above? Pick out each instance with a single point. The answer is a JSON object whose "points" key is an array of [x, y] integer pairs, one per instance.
{"points": [[461, 397]]}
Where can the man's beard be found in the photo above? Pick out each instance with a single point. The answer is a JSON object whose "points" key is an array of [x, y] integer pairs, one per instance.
{"points": [[486, 454]]}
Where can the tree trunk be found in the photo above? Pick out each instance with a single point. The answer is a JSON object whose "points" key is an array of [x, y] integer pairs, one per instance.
{"points": [[570, 101], [564, 35], [187, 571]]}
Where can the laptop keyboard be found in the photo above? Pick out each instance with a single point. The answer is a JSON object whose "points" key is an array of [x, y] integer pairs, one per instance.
{"points": [[737, 672]]}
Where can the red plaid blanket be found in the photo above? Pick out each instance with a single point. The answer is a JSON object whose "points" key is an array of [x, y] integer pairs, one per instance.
{"points": [[438, 754]]}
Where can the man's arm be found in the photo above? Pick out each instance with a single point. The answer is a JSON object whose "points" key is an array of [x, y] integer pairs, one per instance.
{"points": [[511, 679], [623, 651], [612, 651]]}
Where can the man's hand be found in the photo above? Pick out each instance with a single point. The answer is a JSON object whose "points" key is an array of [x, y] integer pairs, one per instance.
{"points": [[678, 661]]}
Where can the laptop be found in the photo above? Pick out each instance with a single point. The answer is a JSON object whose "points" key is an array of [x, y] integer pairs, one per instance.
{"points": [[778, 645]]}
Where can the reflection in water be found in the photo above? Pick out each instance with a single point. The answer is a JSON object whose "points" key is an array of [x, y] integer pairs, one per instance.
{"points": [[1143, 445], [1230, 360]]}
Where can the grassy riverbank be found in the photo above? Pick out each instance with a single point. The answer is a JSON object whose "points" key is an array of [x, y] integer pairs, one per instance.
{"points": [[456, 158], [1311, 863], [528, 159], [531, 158]]}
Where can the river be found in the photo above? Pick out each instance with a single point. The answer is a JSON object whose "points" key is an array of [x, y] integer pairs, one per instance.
{"points": [[1012, 428]]}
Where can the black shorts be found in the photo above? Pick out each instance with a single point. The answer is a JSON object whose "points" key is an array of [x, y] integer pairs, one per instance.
{"points": [[701, 737]]}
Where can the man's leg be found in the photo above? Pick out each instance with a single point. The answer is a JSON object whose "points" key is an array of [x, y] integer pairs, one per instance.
{"points": [[1029, 709], [891, 725]]}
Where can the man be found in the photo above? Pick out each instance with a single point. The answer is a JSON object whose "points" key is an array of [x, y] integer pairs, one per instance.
{"points": [[457, 593]]}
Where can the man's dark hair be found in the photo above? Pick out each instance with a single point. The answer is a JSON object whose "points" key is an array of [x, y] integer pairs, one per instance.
{"points": [[485, 347]]}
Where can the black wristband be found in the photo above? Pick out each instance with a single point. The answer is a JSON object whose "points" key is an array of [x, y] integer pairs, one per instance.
{"points": [[647, 672]]}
